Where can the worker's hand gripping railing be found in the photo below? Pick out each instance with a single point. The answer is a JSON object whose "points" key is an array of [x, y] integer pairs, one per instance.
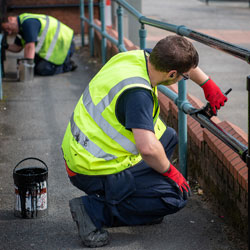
{"points": [[204, 115]]}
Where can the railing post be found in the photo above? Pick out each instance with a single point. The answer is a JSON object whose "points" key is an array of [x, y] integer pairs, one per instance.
{"points": [[120, 26], [182, 127], [104, 40], [82, 21], [91, 29], [142, 35]]}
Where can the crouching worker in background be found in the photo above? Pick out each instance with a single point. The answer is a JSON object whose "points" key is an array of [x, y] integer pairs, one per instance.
{"points": [[46, 42], [118, 150]]}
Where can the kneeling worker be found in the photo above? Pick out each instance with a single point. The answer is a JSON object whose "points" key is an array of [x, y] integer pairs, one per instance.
{"points": [[117, 149], [46, 41]]}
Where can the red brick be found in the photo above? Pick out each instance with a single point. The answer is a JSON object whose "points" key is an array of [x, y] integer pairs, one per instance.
{"points": [[209, 143], [215, 119], [174, 109], [239, 131], [217, 142], [210, 136], [199, 138], [221, 148], [243, 177], [230, 158], [194, 125], [225, 125], [226, 154], [68, 15], [237, 166], [190, 120], [164, 102]]}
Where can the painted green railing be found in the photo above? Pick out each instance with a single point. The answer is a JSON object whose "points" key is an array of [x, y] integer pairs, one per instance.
{"points": [[180, 100]]}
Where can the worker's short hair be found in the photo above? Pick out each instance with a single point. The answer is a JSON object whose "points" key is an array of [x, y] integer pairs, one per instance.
{"points": [[4, 19], [174, 53]]}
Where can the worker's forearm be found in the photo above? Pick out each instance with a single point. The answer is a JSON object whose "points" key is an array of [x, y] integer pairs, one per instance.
{"points": [[151, 150], [198, 76], [29, 51], [156, 158]]}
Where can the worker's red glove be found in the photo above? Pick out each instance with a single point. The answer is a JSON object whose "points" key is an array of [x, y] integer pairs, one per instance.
{"points": [[214, 95], [177, 180]]}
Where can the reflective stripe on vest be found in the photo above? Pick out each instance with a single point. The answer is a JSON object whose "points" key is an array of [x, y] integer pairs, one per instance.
{"points": [[102, 123], [53, 43], [81, 138], [43, 35]]}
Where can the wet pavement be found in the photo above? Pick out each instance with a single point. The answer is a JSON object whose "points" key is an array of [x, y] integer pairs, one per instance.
{"points": [[33, 119]]}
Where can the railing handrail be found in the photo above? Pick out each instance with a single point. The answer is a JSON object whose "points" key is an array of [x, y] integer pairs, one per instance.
{"points": [[213, 42], [180, 100]]}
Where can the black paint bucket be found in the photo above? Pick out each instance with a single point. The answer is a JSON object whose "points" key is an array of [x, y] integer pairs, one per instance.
{"points": [[31, 187]]}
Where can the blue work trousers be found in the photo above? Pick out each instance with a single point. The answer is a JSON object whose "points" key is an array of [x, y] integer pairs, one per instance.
{"points": [[46, 68], [136, 196]]}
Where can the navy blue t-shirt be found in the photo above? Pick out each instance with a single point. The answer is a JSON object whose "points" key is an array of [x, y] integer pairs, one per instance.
{"points": [[135, 109], [28, 30]]}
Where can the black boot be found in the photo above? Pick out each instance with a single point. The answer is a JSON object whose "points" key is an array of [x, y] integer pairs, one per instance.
{"points": [[89, 234]]}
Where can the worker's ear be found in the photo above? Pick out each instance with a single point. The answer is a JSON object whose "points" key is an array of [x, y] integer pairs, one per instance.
{"points": [[172, 74]]}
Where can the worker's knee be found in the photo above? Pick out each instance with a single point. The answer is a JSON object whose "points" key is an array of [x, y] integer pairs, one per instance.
{"points": [[169, 140], [169, 137], [172, 134], [44, 68]]}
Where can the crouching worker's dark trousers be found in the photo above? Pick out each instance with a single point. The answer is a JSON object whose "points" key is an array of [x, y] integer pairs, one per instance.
{"points": [[46, 68], [135, 196]]}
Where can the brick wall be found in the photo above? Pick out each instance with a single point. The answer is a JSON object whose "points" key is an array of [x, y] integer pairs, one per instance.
{"points": [[221, 173], [67, 11], [219, 170]]}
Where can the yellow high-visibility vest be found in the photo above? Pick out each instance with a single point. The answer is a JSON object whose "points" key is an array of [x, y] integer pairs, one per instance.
{"points": [[54, 38], [95, 142]]}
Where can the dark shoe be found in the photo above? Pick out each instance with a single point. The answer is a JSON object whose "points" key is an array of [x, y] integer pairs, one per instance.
{"points": [[89, 234], [73, 65]]}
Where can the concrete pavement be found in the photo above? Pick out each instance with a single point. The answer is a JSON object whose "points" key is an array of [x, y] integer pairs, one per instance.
{"points": [[33, 119]]}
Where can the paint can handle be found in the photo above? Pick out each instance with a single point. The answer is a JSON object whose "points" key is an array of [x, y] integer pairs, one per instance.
{"points": [[30, 158]]}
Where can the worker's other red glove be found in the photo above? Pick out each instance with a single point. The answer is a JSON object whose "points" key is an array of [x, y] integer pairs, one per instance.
{"points": [[177, 180], [214, 95]]}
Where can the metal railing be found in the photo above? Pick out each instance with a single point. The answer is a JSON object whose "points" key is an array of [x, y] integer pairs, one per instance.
{"points": [[180, 100]]}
